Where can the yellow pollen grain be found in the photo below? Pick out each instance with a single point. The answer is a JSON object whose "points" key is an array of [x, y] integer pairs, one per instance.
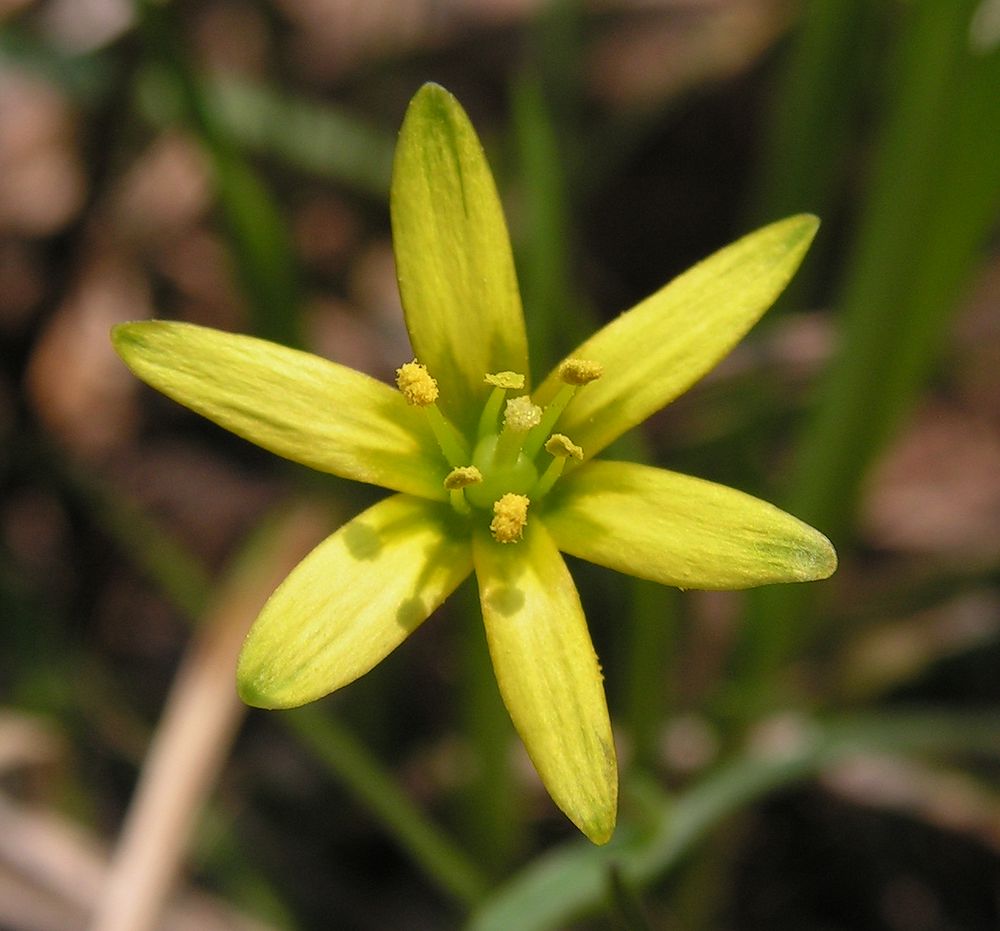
{"points": [[580, 371], [505, 380], [462, 477], [510, 516], [416, 384], [562, 447], [521, 415]]}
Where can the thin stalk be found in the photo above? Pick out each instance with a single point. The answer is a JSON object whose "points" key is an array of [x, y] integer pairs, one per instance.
{"points": [[349, 761], [932, 202], [258, 238]]}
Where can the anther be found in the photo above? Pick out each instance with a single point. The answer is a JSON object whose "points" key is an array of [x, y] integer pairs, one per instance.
{"points": [[510, 516], [505, 380], [580, 371], [421, 390], [562, 447], [458, 479], [462, 477], [416, 384]]}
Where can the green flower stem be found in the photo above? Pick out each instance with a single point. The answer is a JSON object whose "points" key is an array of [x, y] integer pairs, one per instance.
{"points": [[545, 113], [351, 763], [933, 199], [816, 108], [651, 663], [258, 239], [490, 803]]}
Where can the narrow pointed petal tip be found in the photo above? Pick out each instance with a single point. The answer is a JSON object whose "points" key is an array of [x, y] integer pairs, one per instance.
{"points": [[682, 531], [310, 410], [453, 257], [658, 349], [549, 675]]}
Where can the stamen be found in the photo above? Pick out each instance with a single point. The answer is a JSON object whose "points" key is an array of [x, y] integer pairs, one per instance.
{"points": [[458, 479], [421, 390], [560, 448], [519, 417], [416, 384], [449, 440], [580, 371], [574, 373], [510, 516]]}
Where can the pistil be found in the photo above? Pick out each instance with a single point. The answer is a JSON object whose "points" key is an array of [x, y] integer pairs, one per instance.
{"points": [[520, 416]]}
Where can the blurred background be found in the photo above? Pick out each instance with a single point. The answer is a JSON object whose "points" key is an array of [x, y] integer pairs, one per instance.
{"points": [[819, 757]]}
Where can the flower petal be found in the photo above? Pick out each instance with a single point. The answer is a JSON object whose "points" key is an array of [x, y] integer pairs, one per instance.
{"points": [[302, 407], [548, 674], [682, 531], [453, 256], [659, 348], [352, 601]]}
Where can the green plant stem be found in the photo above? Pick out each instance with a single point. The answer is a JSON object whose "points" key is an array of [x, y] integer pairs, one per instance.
{"points": [[932, 201], [258, 238], [650, 683], [347, 759]]}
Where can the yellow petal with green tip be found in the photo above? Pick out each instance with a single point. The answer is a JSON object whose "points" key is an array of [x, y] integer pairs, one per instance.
{"points": [[302, 407], [655, 351], [548, 674], [683, 531], [352, 601], [453, 257]]}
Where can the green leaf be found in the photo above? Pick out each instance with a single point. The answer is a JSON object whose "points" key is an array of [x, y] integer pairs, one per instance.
{"points": [[453, 258], [571, 880], [548, 674], [683, 531], [302, 407], [659, 348], [352, 601]]}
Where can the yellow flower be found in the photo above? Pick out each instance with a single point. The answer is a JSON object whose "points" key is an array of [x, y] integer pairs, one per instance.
{"points": [[483, 481]]}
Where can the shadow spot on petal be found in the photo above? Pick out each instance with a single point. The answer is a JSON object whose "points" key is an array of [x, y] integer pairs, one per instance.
{"points": [[506, 600], [362, 541]]}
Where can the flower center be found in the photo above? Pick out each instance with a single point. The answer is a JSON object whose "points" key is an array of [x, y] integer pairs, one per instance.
{"points": [[515, 458]]}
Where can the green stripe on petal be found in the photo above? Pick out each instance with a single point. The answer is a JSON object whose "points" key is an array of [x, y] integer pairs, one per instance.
{"points": [[453, 256], [682, 531], [659, 348], [302, 407], [352, 601], [549, 675]]}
